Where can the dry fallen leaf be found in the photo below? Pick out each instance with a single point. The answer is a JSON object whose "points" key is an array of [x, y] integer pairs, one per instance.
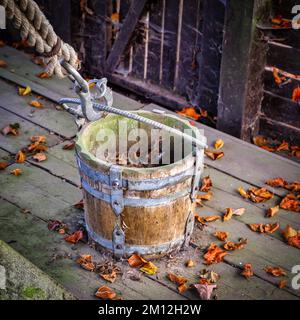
{"points": [[264, 228], [24, 91], [228, 214], [105, 293], [276, 182], [39, 139], [282, 284], [231, 246], [278, 79], [268, 148], [43, 75], [290, 202], [79, 205], [3, 64], [208, 276], [36, 104], [206, 184], [275, 271], [258, 195], [206, 197], [205, 290], [239, 212], [189, 263], [247, 271], [85, 261], [75, 237], [294, 186], [260, 141], [136, 261], [111, 277], [292, 236], [243, 193], [214, 254], [37, 146], [12, 128], [149, 268], [189, 112], [219, 143], [3, 165], [296, 94], [40, 157], [20, 157], [214, 155], [181, 281], [16, 172], [271, 212], [284, 146], [69, 145], [221, 235]]}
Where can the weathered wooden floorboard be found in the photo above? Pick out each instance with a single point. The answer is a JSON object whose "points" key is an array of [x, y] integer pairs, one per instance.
{"points": [[47, 117], [22, 71], [27, 129], [245, 161], [48, 250]]}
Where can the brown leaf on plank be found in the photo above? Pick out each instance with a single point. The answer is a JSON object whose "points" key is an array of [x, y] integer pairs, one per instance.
{"points": [[206, 197], [69, 145], [260, 141], [208, 276], [221, 235], [268, 148], [136, 261], [284, 146], [247, 271], [24, 91], [12, 129], [214, 254], [228, 214], [219, 143], [276, 182], [3, 64], [181, 281], [75, 237], [206, 184], [277, 78], [189, 263], [43, 75], [275, 271], [264, 228], [79, 205], [111, 277], [282, 284], [243, 193], [189, 112], [290, 202], [85, 261], [20, 157], [39, 139], [3, 165], [16, 172], [106, 293], [36, 104], [296, 94], [205, 290], [259, 195], [271, 212], [294, 186], [231, 246], [41, 156], [37, 146], [214, 155], [292, 236]]}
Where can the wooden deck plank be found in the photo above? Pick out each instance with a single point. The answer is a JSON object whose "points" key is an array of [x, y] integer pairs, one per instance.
{"points": [[47, 117], [245, 161], [30, 237], [22, 71], [27, 129]]}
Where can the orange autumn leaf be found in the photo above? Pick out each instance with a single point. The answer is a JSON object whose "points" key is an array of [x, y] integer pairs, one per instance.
{"points": [[296, 94], [294, 186], [36, 104], [16, 172], [110, 277], [85, 261], [219, 143], [221, 235], [264, 228], [243, 193], [228, 214], [3, 165], [290, 202], [282, 284], [214, 155], [75, 237], [284, 146], [43, 75], [115, 17], [176, 279], [136, 261], [271, 212], [296, 153], [231, 246], [206, 184], [3, 64], [39, 139], [189, 112], [105, 293], [276, 182], [292, 236], [211, 218], [189, 263], [268, 148], [275, 271], [40, 157], [182, 288], [37, 146], [207, 196], [20, 157], [278, 79], [247, 271], [259, 141], [214, 254], [258, 195]]}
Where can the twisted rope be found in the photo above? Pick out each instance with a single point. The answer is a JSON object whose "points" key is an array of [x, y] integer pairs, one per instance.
{"points": [[34, 27]]}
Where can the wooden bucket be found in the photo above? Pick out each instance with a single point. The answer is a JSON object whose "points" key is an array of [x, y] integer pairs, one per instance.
{"points": [[145, 210]]}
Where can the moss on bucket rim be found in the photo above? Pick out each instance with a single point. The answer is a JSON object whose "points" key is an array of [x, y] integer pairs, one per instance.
{"points": [[83, 141]]}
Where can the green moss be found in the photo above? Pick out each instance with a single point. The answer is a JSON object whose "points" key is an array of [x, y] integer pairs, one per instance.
{"points": [[33, 293]]}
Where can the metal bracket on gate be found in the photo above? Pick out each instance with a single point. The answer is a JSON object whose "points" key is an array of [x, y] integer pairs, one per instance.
{"points": [[116, 196], [188, 229], [118, 240]]}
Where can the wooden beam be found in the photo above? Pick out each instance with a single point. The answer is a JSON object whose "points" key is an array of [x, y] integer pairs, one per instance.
{"points": [[126, 31], [243, 61]]}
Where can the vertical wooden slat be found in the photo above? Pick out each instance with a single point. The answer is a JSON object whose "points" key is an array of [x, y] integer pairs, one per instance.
{"points": [[243, 61], [209, 58]]}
